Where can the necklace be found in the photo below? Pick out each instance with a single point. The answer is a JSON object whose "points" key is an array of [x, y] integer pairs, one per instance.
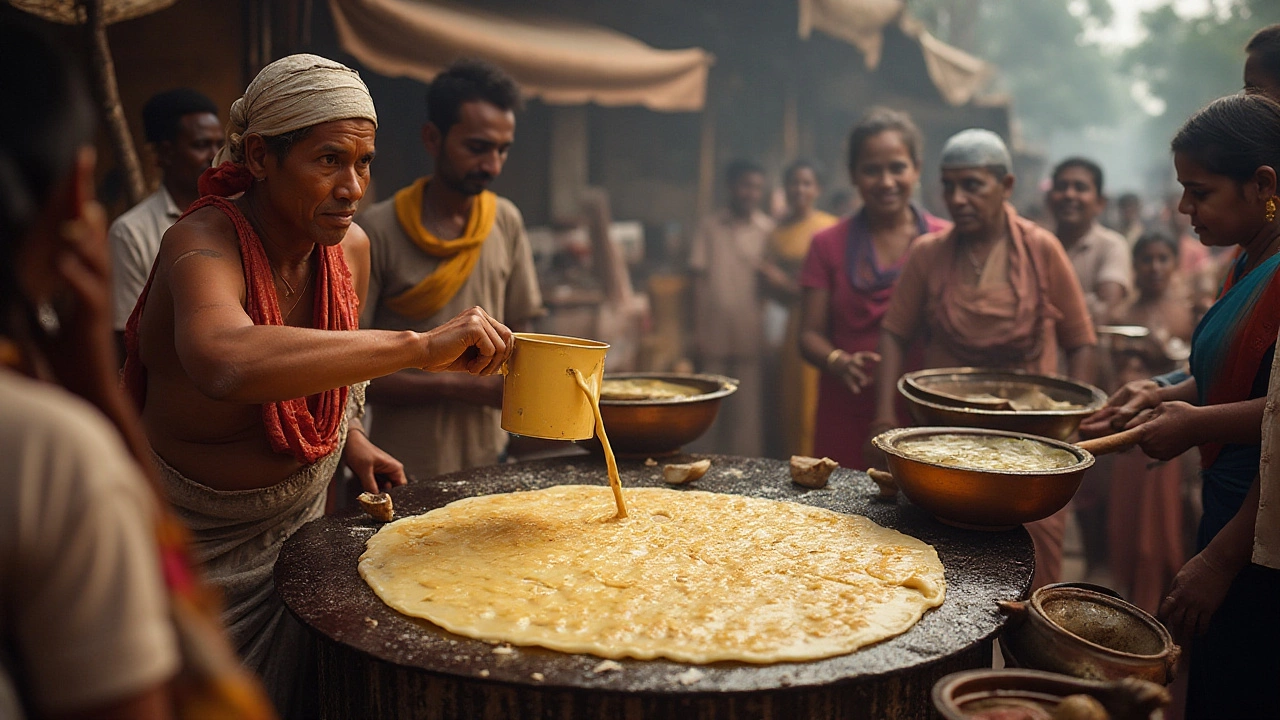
{"points": [[975, 263], [289, 291]]}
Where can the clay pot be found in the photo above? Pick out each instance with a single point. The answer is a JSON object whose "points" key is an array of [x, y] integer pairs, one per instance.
{"points": [[1087, 634], [958, 695]]}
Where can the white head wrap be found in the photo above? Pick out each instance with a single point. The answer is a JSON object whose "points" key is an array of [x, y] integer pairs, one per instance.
{"points": [[976, 148], [292, 93]]}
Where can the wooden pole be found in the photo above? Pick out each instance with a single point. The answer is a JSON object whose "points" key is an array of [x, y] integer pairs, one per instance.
{"points": [[706, 161], [108, 92]]}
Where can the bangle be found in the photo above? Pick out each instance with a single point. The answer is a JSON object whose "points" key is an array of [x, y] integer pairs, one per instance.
{"points": [[833, 356]]}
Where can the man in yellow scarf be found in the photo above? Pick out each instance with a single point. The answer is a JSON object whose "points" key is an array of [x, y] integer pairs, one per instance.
{"points": [[443, 244]]}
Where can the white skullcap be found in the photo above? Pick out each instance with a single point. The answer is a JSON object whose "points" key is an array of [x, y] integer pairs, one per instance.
{"points": [[292, 93], [975, 148]]}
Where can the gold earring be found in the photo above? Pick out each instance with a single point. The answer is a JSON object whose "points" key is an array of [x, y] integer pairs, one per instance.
{"points": [[1271, 209]]}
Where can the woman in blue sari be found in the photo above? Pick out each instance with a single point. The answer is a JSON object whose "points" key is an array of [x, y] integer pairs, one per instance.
{"points": [[1227, 157]]}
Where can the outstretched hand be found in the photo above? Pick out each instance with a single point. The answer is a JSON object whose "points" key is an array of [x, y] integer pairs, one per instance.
{"points": [[1170, 429], [1122, 407], [472, 342]]}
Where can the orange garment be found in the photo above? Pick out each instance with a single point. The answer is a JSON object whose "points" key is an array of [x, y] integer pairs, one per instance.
{"points": [[797, 380], [1144, 527], [306, 428], [1026, 305], [458, 256]]}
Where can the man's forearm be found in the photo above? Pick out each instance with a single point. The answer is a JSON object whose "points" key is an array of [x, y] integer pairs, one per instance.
{"points": [[267, 363], [414, 387]]}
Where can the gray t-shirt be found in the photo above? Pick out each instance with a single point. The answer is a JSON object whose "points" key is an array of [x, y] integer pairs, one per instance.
{"points": [[444, 436], [135, 241]]}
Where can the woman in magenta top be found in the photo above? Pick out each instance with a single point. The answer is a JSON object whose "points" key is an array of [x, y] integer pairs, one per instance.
{"points": [[849, 275]]}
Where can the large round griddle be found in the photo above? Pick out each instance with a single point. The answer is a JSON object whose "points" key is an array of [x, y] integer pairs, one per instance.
{"points": [[317, 578]]}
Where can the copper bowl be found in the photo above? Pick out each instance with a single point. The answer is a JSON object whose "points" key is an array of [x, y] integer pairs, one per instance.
{"points": [[655, 428], [1087, 634], [959, 696], [982, 499], [1057, 424]]}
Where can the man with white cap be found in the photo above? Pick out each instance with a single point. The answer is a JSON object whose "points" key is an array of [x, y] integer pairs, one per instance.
{"points": [[995, 291], [243, 350]]}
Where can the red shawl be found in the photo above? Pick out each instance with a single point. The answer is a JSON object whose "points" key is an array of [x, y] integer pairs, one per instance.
{"points": [[306, 428]]}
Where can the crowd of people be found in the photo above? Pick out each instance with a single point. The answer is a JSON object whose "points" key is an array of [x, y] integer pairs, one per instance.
{"points": [[1171, 313], [270, 337]]}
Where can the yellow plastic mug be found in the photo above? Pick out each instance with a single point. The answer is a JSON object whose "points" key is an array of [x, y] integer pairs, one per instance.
{"points": [[540, 398]]}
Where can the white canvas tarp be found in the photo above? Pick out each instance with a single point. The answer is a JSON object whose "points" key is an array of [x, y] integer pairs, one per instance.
{"points": [[561, 61]]}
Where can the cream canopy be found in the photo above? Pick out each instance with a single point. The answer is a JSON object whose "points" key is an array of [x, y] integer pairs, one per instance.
{"points": [[74, 12], [562, 61], [957, 75]]}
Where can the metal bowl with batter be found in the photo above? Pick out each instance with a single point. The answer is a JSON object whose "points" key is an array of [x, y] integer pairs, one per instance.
{"points": [[982, 499], [659, 427], [935, 409]]}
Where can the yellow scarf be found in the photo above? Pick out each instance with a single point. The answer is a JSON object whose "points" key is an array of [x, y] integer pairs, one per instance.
{"points": [[459, 256]]}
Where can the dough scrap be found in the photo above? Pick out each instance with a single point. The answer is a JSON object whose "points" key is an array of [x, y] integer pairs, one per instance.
{"points": [[379, 506], [681, 473], [812, 472], [692, 576]]}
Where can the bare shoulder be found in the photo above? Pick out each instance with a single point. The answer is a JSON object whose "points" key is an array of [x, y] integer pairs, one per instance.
{"points": [[206, 233], [929, 246], [355, 246], [355, 250]]}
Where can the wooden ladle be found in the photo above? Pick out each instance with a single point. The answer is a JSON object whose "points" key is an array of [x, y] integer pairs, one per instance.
{"points": [[1114, 443]]}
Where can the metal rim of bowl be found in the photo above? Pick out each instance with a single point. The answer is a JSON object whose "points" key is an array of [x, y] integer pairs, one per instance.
{"points": [[727, 386], [948, 691], [1117, 604], [904, 389], [888, 442]]}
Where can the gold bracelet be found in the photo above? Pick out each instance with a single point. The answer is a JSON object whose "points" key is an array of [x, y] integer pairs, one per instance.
{"points": [[833, 356]]}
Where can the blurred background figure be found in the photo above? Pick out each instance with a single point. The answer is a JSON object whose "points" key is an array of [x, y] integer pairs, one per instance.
{"points": [[441, 245], [1100, 256], [1101, 260], [1145, 509], [793, 393], [849, 275], [183, 129], [728, 310], [1130, 221]]}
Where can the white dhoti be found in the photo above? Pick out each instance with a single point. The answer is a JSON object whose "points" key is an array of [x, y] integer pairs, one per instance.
{"points": [[236, 537]]}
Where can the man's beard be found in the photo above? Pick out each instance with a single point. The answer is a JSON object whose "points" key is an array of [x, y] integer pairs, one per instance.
{"points": [[470, 184]]}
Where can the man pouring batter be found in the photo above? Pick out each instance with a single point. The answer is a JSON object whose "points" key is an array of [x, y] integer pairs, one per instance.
{"points": [[244, 353]]}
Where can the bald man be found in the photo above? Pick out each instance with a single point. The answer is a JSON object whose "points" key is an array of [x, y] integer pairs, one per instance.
{"points": [[995, 291], [243, 352]]}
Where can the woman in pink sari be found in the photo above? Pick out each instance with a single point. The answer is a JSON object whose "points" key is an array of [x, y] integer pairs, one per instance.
{"points": [[849, 275]]}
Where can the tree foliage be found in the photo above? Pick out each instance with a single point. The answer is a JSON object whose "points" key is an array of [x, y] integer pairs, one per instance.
{"points": [[1187, 62], [1057, 78]]}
